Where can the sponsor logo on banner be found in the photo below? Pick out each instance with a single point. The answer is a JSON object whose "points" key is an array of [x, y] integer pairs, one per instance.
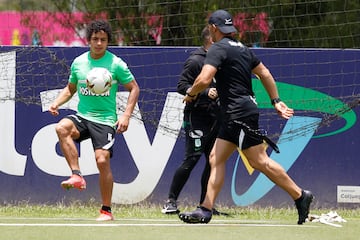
{"points": [[348, 194]]}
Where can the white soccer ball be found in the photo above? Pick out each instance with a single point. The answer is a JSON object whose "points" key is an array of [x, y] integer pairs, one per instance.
{"points": [[98, 80]]}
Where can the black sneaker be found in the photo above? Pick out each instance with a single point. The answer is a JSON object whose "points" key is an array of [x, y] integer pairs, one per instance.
{"points": [[170, 207], [199, 215], [303, 205]]}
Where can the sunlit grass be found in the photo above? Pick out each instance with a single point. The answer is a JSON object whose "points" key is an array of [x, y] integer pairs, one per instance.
{"points": [[149, 210]]}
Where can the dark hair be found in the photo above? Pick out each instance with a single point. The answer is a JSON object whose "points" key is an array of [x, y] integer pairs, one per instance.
{"points": [[205, 35], [97, 26]]}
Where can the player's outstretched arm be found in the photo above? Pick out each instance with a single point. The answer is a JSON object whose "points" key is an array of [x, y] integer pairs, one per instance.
{"points": [[123, 122], [268, 81], [283, 110], [64, 96], [201, 82]]}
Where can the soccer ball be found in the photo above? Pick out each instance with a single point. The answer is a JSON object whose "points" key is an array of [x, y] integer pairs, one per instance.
{"points": [[98, 80]]}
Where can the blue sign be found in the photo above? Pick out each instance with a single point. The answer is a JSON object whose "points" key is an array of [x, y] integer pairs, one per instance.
{"points": [[317, 146]]}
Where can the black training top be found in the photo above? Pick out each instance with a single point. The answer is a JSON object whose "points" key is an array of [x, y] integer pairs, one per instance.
{"points": [[192, 68], [234, 63]]}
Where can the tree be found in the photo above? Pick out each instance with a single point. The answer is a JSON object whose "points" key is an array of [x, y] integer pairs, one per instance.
{"points": [[299, 23]]}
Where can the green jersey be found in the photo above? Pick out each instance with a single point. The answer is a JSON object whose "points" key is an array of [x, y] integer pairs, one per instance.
{"points": [[99, 108]]}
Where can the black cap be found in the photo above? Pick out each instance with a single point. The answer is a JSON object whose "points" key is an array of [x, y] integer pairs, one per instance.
{"points": [[222, 20]]}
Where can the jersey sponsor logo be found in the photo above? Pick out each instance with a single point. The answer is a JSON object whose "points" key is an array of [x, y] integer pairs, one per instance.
{"points": [[85, 91]]}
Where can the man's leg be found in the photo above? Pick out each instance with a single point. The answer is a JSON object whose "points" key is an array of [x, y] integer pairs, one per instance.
{"points": [[220, 153], [106, 183], [259, 160], [179, 180], [193, 153], [66, 132]]}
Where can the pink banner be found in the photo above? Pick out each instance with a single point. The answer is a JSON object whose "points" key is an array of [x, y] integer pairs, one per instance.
{"points": [[42, 28]]}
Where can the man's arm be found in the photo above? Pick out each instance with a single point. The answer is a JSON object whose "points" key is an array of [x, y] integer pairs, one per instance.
{"points": [[187, 77], [267, 80], [201, 82], [134, 92], [64, 96], [269, 84]]}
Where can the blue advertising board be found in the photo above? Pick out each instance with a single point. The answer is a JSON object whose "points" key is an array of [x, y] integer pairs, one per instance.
{"points": [[318, 146]]}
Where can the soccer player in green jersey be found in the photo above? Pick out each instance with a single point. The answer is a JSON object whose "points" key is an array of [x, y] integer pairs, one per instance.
{"points": [[96, 117]]}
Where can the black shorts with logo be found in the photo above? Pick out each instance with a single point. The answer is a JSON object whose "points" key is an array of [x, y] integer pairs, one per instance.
{"points": [[102, 136], [201, 130], [242, 132]]}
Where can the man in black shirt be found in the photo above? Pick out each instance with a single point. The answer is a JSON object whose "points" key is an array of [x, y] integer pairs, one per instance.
{"points": [[200, 125], [232, 64]]}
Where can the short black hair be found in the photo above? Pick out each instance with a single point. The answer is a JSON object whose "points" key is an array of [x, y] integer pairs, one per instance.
{"points": [[97, 26], [205, 35]]}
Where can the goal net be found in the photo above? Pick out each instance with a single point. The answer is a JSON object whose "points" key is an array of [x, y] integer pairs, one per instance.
{"points": [[311, 47]]}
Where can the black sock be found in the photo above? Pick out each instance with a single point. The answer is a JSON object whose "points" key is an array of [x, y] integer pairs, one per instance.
{"points": [[106, 209], [301, 197], [205, 209], [76, 172]]}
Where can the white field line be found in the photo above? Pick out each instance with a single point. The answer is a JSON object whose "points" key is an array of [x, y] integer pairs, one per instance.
{"points": [[138, 222], [145, 225]]}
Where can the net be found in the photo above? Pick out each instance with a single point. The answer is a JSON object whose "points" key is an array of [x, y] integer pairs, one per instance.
{"points": [[277, 23], [311, 48]]}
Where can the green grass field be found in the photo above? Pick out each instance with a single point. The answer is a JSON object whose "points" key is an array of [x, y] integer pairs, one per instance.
{"points": [[138, 222]]}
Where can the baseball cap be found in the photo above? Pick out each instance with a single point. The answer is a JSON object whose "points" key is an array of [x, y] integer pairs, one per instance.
{"points": [[222, 20]]}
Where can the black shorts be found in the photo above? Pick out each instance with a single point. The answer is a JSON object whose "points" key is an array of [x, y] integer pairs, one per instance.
{"points": [[243, 132], [201, 131], [102, 136]]}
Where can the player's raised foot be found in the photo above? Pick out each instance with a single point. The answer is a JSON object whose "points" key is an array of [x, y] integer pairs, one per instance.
{"points": [[199, 215], [75, 181], [170, 207], [303, 205], [105, 216]]}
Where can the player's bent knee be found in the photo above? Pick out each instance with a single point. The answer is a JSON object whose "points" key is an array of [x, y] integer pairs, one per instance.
{"points": [[102, 164], [259, 164], [61, 130]]}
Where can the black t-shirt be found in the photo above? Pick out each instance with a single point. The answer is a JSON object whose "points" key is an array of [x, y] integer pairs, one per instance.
{"points": [[234, 63]]}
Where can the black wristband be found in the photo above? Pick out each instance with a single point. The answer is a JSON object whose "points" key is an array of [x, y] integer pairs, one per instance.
{"points": [[188, 93], [275, 100]]}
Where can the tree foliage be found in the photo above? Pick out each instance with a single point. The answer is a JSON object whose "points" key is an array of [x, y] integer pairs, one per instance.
{"points": [[292, 23]]}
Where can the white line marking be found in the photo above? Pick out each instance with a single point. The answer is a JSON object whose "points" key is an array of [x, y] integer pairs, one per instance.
{"points": [[76, 222], [143, 225]]}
